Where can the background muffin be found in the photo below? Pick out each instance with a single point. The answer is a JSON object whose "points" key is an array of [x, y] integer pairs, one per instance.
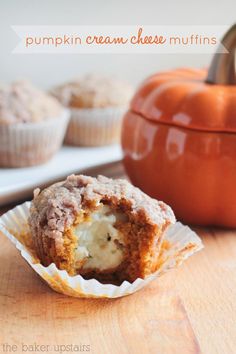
{"points": [[32, 125], [97, 106]]}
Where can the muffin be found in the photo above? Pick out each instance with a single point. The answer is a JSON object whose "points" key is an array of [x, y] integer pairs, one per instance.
{"points": [[97, 107], [32, 125], [99, 228]]}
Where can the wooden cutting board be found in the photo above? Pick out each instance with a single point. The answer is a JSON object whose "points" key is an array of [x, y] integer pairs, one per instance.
{"points": [[189, 310]]}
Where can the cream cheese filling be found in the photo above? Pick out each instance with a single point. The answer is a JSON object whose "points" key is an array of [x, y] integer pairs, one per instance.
{"points": [[100, 244]]}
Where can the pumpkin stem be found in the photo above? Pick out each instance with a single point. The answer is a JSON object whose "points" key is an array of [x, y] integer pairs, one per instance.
{"points": [[222, 68]]}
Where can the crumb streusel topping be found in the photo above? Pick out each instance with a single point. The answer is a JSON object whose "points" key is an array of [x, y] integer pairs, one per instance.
{"points": [[94, 91], [59, 204], [21, 102]]}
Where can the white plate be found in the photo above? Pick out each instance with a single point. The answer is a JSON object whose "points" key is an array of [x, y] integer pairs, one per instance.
{"points": [[17, 182]]}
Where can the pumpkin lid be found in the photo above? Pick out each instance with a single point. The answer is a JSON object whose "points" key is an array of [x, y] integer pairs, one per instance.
{"points": [[193, 98]]}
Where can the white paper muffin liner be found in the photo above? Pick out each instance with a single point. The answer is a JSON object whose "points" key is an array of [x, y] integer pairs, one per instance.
{"points": [[95, 126], [179, 243], [29, 144]]}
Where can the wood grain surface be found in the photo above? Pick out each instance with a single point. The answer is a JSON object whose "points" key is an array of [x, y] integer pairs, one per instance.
{"points": [[189, 310]]}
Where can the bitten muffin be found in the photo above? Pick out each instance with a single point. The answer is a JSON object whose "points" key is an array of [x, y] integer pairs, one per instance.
{"points": [[97, 105], [32, 125], [99, 228]]}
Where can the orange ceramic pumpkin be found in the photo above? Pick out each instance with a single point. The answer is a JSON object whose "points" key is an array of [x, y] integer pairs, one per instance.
{"points": [[179, 140]]}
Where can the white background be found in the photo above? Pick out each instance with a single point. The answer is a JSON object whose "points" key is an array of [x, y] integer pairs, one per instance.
{"points": [[46, 70]]}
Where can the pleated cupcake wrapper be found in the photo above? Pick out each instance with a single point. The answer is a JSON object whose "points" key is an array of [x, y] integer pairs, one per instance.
{"points": [[179, 242], [28, 144], [95, 126]]}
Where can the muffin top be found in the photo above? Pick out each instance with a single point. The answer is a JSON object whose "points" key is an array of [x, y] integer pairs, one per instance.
{"points": [[21, 102], [63, 200], [94, 91]]}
